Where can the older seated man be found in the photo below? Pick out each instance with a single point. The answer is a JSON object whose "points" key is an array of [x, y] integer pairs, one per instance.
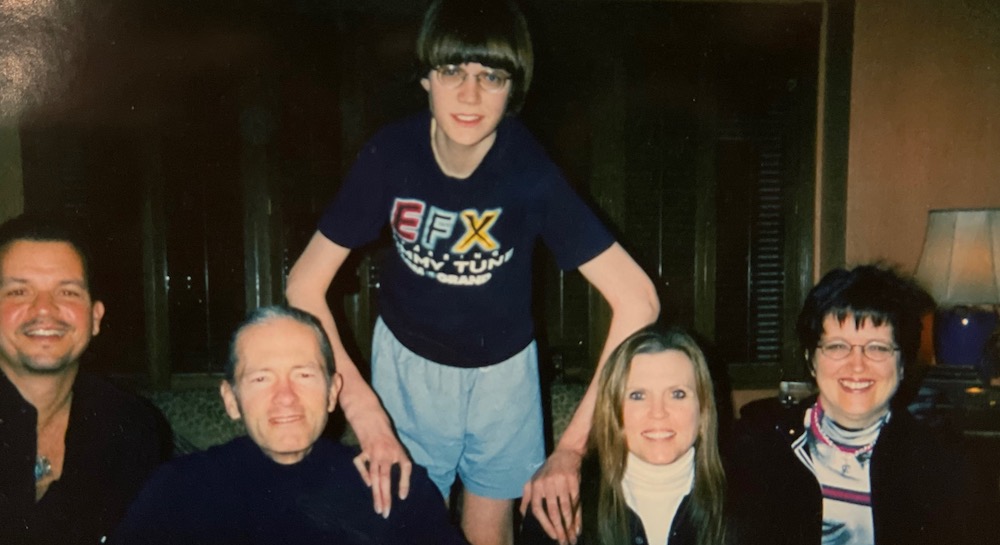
{"points": [[283, 483]]}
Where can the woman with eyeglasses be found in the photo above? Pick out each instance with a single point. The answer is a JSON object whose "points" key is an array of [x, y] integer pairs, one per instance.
{"points": [[655, 476], [467, 194], [849, 466]]}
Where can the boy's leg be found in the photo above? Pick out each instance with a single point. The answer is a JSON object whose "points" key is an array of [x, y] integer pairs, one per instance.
{"points": [[486, 521], [427, 403], [504, 445]]}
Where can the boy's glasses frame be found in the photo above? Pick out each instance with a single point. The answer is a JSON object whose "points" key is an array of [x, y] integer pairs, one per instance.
{"points": [[492, 81]]}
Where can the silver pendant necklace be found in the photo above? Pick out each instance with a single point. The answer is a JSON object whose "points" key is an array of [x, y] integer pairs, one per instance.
{"points": [[43, 467]]}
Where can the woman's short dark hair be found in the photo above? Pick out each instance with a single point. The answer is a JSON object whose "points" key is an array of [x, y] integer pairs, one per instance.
{"points": [[873, 293], [490, 32]]}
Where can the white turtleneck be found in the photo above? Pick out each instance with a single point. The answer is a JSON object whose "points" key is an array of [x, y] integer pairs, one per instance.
{"points": [[655, 492]]}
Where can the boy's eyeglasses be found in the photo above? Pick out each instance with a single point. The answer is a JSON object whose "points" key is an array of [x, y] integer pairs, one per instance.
{"points": [[491, 81], [875, 350]]}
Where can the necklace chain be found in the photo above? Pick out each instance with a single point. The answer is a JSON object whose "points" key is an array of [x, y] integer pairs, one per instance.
{"points": [[817, 428]]}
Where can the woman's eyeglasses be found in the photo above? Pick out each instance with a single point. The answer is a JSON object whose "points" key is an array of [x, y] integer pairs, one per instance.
{"points": [[874, 350]]}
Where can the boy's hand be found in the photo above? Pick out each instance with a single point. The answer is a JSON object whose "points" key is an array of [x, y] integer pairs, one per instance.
{"points": [[380, 450], [554, 496]]}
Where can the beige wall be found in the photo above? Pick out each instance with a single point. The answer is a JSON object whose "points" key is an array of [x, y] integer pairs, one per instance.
{"points": [[925, 120]]}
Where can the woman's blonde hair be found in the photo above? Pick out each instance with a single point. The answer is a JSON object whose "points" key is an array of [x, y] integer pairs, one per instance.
{"points": [[607, 436]]}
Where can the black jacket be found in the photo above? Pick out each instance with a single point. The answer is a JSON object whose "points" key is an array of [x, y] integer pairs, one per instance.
{"points": [[113, 442], [682, 530], [921, 484]]}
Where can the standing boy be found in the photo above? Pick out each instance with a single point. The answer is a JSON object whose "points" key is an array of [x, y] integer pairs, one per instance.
{"points": [[467, 191]]}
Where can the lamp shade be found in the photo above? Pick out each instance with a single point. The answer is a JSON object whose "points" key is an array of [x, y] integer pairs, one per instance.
{"points": [[960, 266], [960, 263]]}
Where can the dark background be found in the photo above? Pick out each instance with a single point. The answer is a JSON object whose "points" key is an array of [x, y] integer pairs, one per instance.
{"points": [[199, 141]]}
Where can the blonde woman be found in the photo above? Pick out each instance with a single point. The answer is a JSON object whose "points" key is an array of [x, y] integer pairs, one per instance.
{"points": [[657, 477]]}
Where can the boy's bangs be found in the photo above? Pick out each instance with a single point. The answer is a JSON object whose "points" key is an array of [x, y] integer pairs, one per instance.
{"points": [[492, 53]]}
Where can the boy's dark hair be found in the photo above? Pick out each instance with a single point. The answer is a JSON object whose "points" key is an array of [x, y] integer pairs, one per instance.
{"points": [[37, 228], [490, 32], [867, 292], [263, 315]]}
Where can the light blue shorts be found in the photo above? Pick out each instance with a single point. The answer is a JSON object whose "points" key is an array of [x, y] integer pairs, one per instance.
{"points": [[483, 423]]}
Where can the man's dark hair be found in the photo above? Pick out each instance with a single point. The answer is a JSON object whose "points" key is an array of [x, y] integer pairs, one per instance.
{"points": [[490, 32], [267, 314], [872, 293], [38, 228]]}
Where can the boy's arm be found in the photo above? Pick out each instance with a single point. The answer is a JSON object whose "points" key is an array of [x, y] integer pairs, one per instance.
{"points": [[308, 282], [634, 305]]}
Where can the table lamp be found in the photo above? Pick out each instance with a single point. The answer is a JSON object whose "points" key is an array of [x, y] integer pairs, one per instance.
{"points": [[960, 267]]}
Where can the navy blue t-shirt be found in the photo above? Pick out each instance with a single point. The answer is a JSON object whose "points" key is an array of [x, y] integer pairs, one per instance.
{"points": [[456, 289]]}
